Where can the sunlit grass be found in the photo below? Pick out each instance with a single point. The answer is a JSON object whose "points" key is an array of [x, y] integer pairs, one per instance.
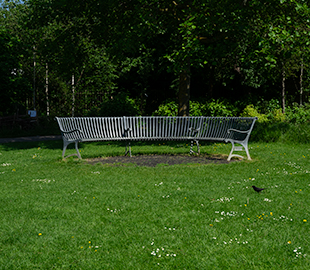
{"points": [[72, 215]]}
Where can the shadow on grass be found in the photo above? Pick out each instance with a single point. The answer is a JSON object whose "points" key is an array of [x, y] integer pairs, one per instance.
{"points": [[109, 148], [117, 148]]}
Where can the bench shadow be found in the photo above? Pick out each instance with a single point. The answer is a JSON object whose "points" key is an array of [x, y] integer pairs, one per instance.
{"points": [[119, 147]]}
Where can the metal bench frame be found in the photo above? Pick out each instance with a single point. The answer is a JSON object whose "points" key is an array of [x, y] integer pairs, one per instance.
{"points": [[235, 130]]}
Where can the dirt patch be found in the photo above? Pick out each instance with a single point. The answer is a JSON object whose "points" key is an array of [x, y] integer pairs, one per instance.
{"points": [[154, 160]]}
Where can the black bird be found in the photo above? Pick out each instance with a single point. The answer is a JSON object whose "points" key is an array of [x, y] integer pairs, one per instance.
{"points": [[257, 189]]}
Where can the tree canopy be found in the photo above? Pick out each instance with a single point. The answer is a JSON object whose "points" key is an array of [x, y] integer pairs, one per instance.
{"points": [[87, 53]]}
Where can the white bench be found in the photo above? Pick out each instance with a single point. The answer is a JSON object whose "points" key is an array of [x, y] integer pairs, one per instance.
{"points": [[235, 130]]}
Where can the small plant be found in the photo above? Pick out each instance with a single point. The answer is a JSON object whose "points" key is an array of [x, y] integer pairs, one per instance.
{"points": [[167, 108], [251, 111]]}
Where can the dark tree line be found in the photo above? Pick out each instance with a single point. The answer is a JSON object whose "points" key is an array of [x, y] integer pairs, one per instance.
{"points": [[74, 57]]}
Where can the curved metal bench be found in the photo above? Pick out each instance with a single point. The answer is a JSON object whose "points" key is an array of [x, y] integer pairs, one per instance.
{"points": [[235, 130]]}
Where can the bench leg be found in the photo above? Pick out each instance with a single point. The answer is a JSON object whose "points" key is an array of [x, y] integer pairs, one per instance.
{"points": [[129, 149], [247, 151], [233, 148], [231, 151], [77, 150], [191, 151], [66, 143], [64, 148]]}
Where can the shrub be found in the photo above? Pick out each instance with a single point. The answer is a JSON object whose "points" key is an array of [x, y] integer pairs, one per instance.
{"points": [[276, 115], [269, 131], [167, 108], [298, 114], [219, 108], [119, 105], [251, 111], [198, 108]]}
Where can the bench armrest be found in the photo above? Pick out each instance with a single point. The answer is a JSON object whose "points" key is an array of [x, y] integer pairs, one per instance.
{"points": [[236, 130], [126, 131], [194, 129], [71, 131]]}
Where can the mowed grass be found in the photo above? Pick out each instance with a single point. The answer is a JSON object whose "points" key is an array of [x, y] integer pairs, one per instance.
{"points": [[68, 214]]}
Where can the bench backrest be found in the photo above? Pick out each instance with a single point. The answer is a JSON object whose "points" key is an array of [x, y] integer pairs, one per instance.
{"points": [[154, 127], [218, 128], [91, 128], [159, 127]]}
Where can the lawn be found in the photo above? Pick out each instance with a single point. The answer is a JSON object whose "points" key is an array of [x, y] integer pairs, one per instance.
{"points": [[68, 214]]}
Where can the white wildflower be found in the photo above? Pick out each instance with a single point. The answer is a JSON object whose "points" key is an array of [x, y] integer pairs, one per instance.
{"points": [[5, 164]]}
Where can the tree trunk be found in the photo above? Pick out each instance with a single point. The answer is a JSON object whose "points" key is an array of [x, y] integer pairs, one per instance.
{"points": [[184, 92], [301, 77], [34, 78], [73, 95], [46, 91], [283, 90]]}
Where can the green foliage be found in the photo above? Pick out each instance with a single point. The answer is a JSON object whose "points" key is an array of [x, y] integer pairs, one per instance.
{"points": [[108, 45], [118, 105], [198, 108], [281, 132], [219, 108], [269, 131], [251, 111], [273, 114], [298, 114], [297, 133], [277, 115], [14, 86], [269, 112], [167, 108]]}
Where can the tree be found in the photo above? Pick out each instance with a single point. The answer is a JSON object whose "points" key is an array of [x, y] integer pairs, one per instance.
{"points": [[280, 33], [15, 86]]}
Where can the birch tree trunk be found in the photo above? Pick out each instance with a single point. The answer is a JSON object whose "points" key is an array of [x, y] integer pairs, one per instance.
{"points": [[46, 91], [34, 78], [283, 90], [73, 94], [301, 77]]}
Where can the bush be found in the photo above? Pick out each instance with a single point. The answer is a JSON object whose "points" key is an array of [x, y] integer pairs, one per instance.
{"points": [[167, 108], [269, 131], [251, 111], [298, 114], [275, 115], [198, 108], [219, 108], [119, 105]]}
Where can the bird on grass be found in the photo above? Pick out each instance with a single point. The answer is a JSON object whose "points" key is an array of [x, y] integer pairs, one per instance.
{"points": [[257, 189]]}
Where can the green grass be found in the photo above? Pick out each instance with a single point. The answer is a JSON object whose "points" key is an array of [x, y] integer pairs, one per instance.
{"points": [[71, 215]]}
